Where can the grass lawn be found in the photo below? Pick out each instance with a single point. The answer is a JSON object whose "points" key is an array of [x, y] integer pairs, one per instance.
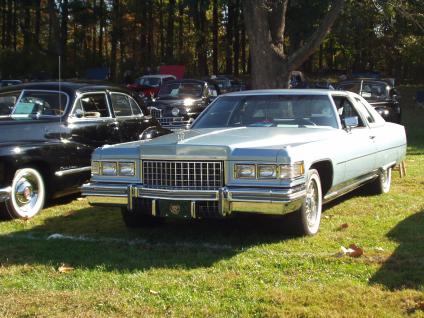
{"points": [[246, 267]]}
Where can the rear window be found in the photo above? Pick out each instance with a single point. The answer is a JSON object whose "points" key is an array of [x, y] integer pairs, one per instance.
{"points": [[41, 103]]}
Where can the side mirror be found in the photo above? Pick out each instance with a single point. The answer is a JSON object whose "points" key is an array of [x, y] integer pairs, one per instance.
{"points": [[351, 122], [79, 113]]}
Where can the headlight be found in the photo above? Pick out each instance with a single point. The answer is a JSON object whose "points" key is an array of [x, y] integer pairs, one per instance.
{"points": [[292, 171], [95, 167], [267, 171], [109, 168], [245, 171], [126, 168], [188, 102], [175, 111]]}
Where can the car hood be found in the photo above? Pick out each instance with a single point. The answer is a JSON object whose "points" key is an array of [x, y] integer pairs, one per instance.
{"points": [[258, 143]]}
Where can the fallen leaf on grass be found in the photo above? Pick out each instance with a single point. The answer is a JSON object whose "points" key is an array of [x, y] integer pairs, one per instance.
{"points": [[352, 251], [65, 268], [153, 292], [343, 226], [380, 249]]}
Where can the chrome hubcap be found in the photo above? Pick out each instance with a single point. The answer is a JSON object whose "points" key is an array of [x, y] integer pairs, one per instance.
{"points": [[311, 204], [26, 192]]}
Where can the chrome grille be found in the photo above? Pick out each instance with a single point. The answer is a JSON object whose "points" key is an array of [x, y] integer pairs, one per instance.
{"points": [[168, 121], [155, 112], [183, 175]]}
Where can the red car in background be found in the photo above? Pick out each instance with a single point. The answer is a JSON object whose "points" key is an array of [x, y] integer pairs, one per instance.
{"points": [[148, 85]]}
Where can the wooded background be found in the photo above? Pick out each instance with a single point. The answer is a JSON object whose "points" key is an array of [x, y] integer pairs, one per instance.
{"points": [[207, 36]]}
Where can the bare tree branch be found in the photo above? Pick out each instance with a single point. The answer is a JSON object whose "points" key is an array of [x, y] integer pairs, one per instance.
{"points": [[300, 56]]}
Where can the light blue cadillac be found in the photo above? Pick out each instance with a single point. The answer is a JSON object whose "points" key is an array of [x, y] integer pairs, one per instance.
{"points": [[268, 152]]}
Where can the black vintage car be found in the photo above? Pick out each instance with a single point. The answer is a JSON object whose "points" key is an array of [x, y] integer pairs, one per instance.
{"points": [[179, 102], [380, 93], [48, 133]]}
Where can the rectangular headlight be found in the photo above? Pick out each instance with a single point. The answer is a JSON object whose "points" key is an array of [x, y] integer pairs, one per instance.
{"points": [[95, 167], [245, 171], [109, 168], [267, 171], [126, 168], [292, 171]]}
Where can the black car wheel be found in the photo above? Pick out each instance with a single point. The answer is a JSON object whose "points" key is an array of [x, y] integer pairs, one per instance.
{"points": [[27, 196]]}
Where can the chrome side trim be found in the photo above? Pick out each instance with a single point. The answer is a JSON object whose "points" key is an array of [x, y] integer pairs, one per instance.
{"points": [[5, 194], [66, 172], [350, 187]]}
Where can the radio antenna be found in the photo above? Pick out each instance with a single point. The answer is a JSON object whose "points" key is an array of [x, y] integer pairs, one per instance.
{"points": [[60, 95]]}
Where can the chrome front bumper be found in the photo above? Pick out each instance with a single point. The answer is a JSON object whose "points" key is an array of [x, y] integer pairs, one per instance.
{"points": [[5, 194], [230, 199]]}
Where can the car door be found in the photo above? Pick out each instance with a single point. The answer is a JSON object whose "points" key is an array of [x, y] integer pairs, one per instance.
{"points": [[357, 143], [91, 125], [129, 116]]}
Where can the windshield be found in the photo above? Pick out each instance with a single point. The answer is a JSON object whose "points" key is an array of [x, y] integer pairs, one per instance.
{"points": [[40, 103], [149, 81], [370, 90], [269, 111], [181, 90]]}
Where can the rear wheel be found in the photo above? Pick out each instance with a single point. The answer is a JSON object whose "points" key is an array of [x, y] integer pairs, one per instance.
{"points": [[382, 183], [308, 217], [27, 196]]}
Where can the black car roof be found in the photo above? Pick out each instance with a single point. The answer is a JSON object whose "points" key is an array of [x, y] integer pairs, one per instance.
{"points": [[359, 79], [188, 80], [68, 87]]}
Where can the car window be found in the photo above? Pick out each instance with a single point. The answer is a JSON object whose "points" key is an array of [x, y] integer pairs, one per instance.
{"points": [[346, 109], [370, 111], [135, 107], [364, 111], [7, 101], [40, 103], [269, 111], [92, 106], [121, 105]]}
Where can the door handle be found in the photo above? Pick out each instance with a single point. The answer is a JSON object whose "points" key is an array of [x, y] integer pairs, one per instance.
{"points": [[372, 137]]}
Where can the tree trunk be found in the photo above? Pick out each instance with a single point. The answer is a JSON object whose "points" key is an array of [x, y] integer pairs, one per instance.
{"points": [[170, 32], [102, 25], [114, 39], [37, 21], [229, 38], [181, 30], [215, 36], [243, 48], [265, 26], [236, 38], [64, 34]]}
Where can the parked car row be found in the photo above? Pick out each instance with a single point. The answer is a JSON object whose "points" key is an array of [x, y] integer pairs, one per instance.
{"points": [[268, 152]]}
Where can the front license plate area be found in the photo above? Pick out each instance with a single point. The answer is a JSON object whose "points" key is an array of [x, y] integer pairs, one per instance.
{"points": [[176, 209]]}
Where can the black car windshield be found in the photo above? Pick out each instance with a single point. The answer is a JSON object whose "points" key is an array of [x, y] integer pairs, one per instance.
{"points": [[40, 103], [181, 90], [368, 90], [149, 81], [269, 111]]}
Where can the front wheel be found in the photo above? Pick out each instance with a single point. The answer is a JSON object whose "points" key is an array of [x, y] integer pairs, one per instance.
{"points": [[308, 217], [27, 196]]}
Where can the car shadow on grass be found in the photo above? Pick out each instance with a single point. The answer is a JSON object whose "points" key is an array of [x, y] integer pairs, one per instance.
{"points": [[97, 238], [405, 267]]}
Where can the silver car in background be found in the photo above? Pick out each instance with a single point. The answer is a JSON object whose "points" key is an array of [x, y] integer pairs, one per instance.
{"points": [[270, 152]]}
